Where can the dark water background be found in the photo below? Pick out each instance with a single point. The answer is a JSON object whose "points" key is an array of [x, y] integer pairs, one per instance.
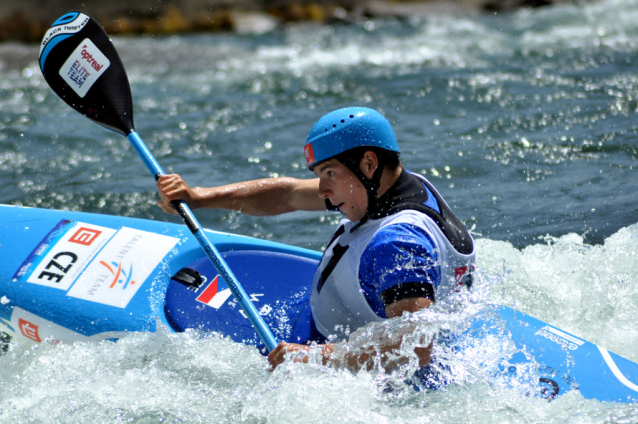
{"points": [[526, 123]]}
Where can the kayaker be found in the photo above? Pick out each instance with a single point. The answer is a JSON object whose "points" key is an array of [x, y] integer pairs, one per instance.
{"points": [[399, 249]]}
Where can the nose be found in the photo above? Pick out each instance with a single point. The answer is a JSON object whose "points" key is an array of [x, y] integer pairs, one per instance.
{"points": [[324, 191]]}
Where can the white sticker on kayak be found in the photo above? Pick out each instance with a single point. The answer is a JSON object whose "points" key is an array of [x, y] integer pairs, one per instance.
{"points": [[566, 340], [62, 255], [98, 264], [83, 68], [38, 329], [26, 325], [118, 271]]}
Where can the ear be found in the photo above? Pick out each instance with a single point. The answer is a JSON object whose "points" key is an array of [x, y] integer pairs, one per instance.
{"points": [[369, 163]]}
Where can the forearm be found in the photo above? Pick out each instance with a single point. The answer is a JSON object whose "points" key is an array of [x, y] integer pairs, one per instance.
{"points": [[385, 352], [269, 196], [341, 355], [379, 350], [386, 356]]}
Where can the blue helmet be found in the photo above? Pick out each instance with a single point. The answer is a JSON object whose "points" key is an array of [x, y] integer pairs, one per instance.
{"points": [[345, 129]]}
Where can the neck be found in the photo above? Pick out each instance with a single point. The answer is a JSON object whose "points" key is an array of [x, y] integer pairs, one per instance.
{"points": [[388, 178]]}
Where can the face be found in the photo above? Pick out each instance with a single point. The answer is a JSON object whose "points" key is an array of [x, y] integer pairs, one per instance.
{"points": [[339, 185]]}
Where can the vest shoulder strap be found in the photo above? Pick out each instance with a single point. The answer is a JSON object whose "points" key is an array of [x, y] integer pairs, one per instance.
{"points": [[408, 193]]}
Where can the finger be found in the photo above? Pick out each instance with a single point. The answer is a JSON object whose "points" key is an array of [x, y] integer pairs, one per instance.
{"points": [[163, 180], [276, 352], [277, 356], [167, 209], [167, 185], [169, 180], [274, 363]]}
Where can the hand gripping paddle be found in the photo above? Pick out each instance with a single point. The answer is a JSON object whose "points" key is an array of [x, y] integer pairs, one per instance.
{"points": [[79, 62]]}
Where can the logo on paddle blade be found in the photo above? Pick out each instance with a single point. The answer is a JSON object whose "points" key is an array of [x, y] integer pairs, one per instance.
{"points": [[83, 68]]}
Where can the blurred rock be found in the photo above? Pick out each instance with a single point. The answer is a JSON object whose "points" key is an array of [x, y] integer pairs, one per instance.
{"points": [[253, 22], [28, 20]]}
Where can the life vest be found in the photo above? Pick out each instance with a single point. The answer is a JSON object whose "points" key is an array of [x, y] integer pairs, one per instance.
{"points": [[338, 304]]}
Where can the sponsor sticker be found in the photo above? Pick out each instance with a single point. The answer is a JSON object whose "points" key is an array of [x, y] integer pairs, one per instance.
{"points": [[462, 277], [29, 330], [85, 236], [83, 68], [120, 268], [309, 153], [62, 255], [568, 341], [95, 263], [38, 329]]}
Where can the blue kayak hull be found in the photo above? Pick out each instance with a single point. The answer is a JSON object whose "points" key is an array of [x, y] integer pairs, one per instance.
{"points": [[72, 276]]}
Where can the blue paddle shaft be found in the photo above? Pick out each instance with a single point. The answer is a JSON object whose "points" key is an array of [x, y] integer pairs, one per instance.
{"points": [[211, 251]]}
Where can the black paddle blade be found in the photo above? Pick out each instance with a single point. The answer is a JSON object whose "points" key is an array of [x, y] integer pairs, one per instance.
{"points": [[79, 62]]}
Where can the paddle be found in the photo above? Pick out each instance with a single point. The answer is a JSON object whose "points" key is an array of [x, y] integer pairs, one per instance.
{"points": [[79, 62]]}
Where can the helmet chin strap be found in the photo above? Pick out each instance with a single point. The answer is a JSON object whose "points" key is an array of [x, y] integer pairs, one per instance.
{"points": [[372, 187]]}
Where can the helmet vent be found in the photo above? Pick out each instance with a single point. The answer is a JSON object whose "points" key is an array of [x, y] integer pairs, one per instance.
{"points": [[335, 125]]}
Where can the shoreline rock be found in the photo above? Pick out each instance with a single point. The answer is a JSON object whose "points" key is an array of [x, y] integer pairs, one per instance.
{"points": [[27, 22]]}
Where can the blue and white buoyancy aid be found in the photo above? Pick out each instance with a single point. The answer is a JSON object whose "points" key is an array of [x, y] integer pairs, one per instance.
{"points": [[337, 299]]}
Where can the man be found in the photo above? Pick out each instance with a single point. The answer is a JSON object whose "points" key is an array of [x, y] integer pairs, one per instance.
{"points": [[399, 249]]}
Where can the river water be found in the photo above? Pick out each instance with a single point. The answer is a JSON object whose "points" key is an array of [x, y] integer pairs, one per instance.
{"points": [[525, 122]]}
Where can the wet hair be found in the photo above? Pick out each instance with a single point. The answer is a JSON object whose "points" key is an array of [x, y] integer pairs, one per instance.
{"points": [[352, 158]]}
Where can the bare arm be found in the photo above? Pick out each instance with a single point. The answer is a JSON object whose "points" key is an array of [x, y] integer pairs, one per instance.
{"points": [[268, 196], [365, 357]]}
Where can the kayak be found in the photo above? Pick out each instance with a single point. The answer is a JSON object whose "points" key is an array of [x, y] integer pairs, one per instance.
{"points": [[73, 276]]}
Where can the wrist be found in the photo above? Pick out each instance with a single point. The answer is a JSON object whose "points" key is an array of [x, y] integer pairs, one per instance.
{"points": [[196, 198], [326, 353]]}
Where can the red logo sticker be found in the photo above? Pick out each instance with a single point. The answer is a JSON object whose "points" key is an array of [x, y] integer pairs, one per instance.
{"points": [[210, 292], [85, 236], [310, 154], [29, 330], [463, 277], [460, 272]]}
